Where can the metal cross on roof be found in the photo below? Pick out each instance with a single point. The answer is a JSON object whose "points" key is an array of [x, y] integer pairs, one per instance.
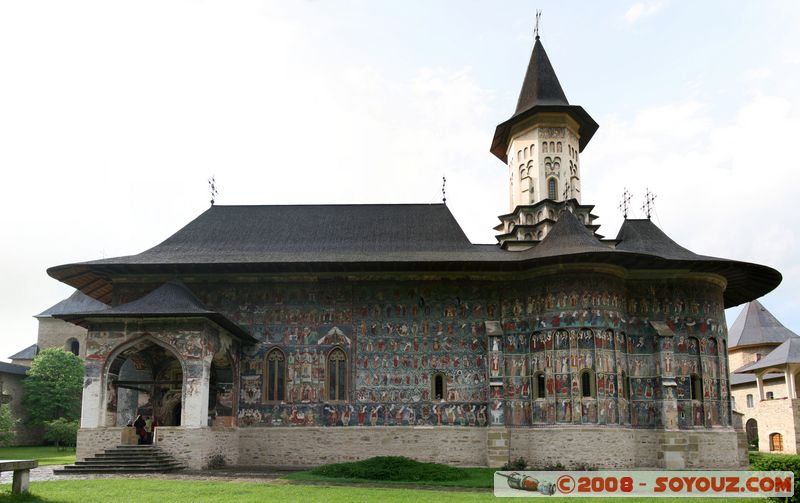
{"points": [[648, 205], [444, 194], [212, 188], [625, 204], [536, 28]]}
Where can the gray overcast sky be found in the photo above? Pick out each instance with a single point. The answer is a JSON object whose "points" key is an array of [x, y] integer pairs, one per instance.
{"points": [[114, 114]]}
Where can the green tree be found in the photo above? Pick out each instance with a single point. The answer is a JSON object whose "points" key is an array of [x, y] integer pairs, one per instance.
{"points": [[53, 387], [7, 424]]}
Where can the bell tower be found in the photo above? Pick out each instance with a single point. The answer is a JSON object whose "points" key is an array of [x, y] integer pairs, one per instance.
{"points": [[540, 145]]}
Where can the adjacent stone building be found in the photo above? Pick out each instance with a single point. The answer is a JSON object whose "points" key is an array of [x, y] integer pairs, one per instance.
{"points": [[56, 333], [306, 334], [765, 358]]}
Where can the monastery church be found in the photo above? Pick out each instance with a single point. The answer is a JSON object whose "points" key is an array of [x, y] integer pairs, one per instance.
{"points": [[390, 333]]}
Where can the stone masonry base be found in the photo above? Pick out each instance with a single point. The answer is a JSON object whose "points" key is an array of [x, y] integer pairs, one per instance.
{"points": [[580, 447]]}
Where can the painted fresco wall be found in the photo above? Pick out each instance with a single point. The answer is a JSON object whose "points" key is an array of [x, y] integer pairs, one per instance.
{"points": [[398, 335]]}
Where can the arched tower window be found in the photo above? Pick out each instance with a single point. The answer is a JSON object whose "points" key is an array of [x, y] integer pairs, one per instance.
{"points": [[552, 189], [587, 384], [276, 376], [552, 146], [558, 147], [544, 147], [337, 375], [439, 384]]}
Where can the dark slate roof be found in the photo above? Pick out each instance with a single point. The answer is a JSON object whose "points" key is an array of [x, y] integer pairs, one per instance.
{"points": [[12, 368], [172, 299], [756, 326], [541, 92], [309, 239], [786, 353], [737, 379], [78, 302], [28, 353], [643, 236], [567, 236]]}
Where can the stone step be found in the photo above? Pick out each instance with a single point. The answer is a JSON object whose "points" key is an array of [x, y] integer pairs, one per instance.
{"points": [[99, 462], [126, 459], [116, 469]]}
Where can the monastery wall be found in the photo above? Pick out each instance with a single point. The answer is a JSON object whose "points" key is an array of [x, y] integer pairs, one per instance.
{"points": [[54, 333]]}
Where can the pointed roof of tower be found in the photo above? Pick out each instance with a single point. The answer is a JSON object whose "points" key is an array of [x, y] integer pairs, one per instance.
{"points": [[757, 326], [541, 86], [541, 93]]}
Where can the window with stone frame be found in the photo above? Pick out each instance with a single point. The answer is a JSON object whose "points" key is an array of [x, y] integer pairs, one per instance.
{"points": [[337, 375], [275, 386], [749, 401]]}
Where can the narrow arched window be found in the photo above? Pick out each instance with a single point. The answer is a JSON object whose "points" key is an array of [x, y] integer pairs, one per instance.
{"points": [[439, 386], [587, 384], [337, 375], [558, 147], [749, 401], [696, 387], [552, 146], [539, 385], [552, 189], [626, 386], [276, 376], [544, 147], [525, 151]]}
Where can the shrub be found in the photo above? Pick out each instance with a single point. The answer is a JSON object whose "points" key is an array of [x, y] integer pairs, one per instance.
{"points": [[61, 432], [518, 464], [393, 468], [779, 463], [216, 462]]}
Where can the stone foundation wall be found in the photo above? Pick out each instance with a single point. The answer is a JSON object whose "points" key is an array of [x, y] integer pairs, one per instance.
{"points": [[93, 441], [581, 447], [196, 446], [609, 448], [311, 446]]}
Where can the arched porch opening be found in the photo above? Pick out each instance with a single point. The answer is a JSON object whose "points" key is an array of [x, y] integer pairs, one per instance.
{"points": [[144, 378]]}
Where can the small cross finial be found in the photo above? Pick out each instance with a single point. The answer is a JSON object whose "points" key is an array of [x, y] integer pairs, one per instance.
{"points": [[625, 204], [444, 193], [648, 205], [212, 189], [536, 28]]}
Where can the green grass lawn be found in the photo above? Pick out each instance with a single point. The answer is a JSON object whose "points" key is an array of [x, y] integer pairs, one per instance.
{"points": [[46, 454], [166, 491], [475, 478]]}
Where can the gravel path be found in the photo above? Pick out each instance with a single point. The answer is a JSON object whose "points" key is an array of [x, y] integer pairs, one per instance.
{"points": [[45, 473]]}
